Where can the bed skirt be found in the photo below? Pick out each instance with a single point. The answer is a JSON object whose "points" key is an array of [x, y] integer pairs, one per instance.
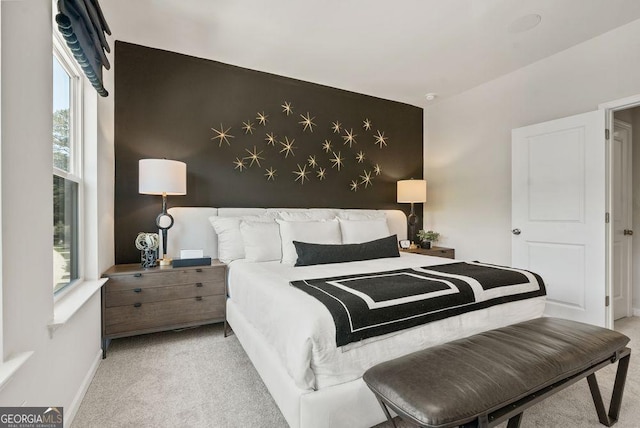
{"points": [[348, 405]]}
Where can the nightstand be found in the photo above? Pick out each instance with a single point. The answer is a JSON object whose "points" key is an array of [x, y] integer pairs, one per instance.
{"points": [[448, 253], [138, 301]]}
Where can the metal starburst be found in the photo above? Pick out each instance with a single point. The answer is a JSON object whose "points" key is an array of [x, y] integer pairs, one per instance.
{"points": [[239, 164], [307, 122], [301, 174], [337, 127], [286, 108], [262, 118], [326, 146], [287, 147], [365, 179], [366, 124], [254, 156], [311, 160], [337, 161], [321, 173], [248, 127], [380, 139], [354, 185], [271, 139], [223, 135], [349, 137], [377, 169], [360, 156], [270, 174]]}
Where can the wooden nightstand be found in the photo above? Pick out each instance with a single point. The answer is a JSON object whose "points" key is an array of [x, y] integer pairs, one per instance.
{"points": [[138, 301], [448, 253]]}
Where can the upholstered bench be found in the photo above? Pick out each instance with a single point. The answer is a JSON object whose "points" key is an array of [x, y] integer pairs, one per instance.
{"points": [[491, 377]]}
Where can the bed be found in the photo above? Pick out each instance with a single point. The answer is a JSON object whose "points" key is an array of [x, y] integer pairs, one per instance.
{"points": [[290, 337]]}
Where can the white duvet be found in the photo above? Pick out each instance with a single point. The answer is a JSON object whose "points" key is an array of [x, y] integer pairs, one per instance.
{"points": [[301, 330]]}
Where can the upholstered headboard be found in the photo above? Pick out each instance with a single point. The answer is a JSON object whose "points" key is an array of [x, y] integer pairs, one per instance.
{"points": [[193, 231]]}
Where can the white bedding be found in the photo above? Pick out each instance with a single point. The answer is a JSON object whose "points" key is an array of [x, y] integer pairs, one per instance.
{"points": [[301, 330]]}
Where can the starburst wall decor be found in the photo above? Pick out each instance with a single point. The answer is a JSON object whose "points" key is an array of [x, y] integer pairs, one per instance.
{"points": [[250, 152]]}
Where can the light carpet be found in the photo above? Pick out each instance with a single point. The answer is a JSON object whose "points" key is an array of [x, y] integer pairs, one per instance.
{"points": [[198, 378]]}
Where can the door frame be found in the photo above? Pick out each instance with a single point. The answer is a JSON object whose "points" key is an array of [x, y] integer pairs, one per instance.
{"points": [[629, 217], [611, 107]]}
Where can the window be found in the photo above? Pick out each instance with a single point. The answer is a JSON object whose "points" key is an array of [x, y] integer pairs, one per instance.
{"points": [[67, 167]]}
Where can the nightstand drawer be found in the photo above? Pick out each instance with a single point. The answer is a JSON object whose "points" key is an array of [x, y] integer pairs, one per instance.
{"points": [[448, 253], [444, 252], [148, 316], [163, 279], [130, 296]]}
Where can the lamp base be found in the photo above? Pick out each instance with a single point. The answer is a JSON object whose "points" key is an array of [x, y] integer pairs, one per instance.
{"points": [[166, 261], [412, 222]]}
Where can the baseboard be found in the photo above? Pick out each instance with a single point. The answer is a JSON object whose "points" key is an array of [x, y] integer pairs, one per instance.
{"points": [[636, 312], [70, 413]]}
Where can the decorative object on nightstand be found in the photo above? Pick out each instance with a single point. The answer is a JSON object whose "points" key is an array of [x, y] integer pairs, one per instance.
{"points": [[412, 191], [138, 301], [426, 238], [148, 244], [162, 177]]}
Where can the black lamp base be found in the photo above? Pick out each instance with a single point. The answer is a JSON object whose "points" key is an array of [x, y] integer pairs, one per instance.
{"points": [[412, 222], [164, 221]]}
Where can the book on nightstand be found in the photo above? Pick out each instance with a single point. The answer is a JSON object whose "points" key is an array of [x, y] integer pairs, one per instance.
{"points": [[198, 261]]}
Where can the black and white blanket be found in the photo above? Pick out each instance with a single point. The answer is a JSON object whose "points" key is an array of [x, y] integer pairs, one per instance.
{"points": [[373, 304]]}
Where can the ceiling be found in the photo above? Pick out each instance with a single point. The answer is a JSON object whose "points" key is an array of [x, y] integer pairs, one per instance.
{"points": [[399, 50]]}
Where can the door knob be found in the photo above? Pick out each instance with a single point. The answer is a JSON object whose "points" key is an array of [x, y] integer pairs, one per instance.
{"points": [[628, 232], [516, 231]]}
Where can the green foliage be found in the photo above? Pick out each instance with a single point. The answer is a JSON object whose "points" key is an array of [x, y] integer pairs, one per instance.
{"points": [[61, 148], [61, 154], [429, 235]]}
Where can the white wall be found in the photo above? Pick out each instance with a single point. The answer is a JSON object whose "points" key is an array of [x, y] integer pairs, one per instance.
{"points": [[468, 136], [61, 366], [106, 168]]}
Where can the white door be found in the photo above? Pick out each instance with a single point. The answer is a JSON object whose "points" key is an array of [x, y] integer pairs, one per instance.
{"points": [[621, 164], [558, 212]]}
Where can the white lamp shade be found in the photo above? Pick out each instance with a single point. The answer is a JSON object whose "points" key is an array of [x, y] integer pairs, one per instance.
{"points": [[412, 191], [162, 176]]}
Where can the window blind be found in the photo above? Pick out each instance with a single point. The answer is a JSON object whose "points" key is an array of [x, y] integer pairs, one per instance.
{"points": [[83, 27]]}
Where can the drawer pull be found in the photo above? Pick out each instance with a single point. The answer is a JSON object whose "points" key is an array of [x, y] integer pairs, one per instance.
{"points": [[137, 290], [198, 284], [137, 305], [137, 275], [198, 270], [198, 298]]}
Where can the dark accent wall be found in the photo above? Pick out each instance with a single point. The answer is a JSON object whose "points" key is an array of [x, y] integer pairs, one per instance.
{"points": [[166, 105]]}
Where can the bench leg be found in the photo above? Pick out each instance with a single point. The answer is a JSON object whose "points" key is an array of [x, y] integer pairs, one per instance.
{"points": [[386, 412], [514, 421], [616, 397]]}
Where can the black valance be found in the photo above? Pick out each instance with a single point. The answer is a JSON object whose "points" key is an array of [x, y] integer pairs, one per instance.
{"points": [[82, 25]]}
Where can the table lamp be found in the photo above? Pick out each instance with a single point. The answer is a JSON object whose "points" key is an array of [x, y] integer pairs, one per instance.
{"points": [[162, 177], [412, 191]]}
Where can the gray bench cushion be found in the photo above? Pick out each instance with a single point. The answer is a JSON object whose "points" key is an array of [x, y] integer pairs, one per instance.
{"points": [[452, 383]]}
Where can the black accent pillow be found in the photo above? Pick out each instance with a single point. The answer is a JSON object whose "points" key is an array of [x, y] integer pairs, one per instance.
{"points": [[318, 254]]}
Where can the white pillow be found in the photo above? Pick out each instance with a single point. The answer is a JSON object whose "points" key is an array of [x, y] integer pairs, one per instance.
{"points": [[359, 231], [230, 243], [309, 215], [261, 240], [315, 232], [361, 214]]}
